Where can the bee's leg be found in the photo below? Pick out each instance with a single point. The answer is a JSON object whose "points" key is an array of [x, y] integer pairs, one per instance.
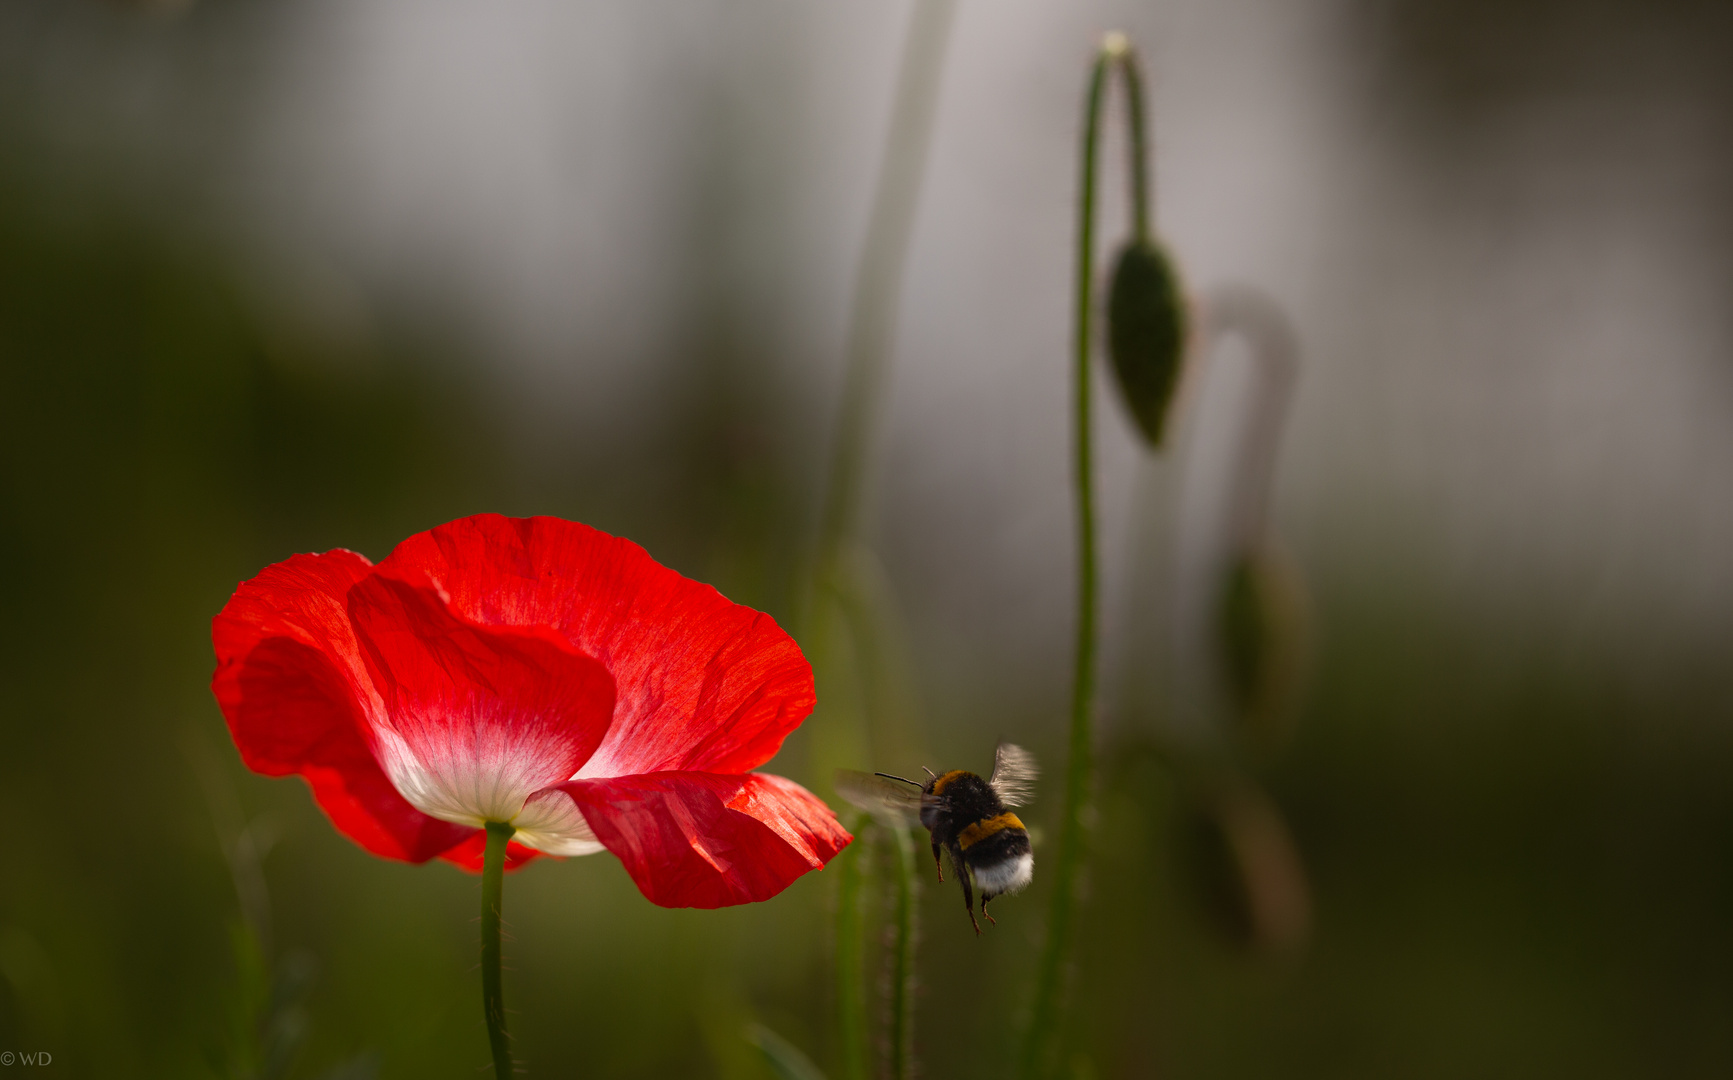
{"points": [[968, 892], [986, 896], [936, 862]]}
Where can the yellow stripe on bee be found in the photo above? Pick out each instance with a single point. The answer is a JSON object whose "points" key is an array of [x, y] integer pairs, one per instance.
{"points": [[944, 780], [980, 830]]}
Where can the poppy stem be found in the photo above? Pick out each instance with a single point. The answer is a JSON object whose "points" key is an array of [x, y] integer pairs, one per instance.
{"points": [[879, 277], [492, 995], [871, 334], [850, 942], [902, 960], [1122, 54], [1041, 1044]]}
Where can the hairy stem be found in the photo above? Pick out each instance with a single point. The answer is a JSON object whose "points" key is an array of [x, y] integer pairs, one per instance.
{"points": [[871, 325], [878, 280], [492, 995], [1041, 1043], [851, 1002], [902, 960], [1119, 51]]}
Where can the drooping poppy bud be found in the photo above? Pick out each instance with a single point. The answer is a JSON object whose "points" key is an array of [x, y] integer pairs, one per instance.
{"points": [[1146, 332], [1243, 869], [1261, 630]]}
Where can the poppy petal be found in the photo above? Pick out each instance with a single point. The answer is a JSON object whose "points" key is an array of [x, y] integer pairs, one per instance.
{"points": [[701, 683], [709, 840], [289, 686], [551, 822], [473, 720]]}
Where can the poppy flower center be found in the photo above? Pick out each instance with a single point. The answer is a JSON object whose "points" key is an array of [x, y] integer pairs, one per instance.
{"points": [[471, 721]]}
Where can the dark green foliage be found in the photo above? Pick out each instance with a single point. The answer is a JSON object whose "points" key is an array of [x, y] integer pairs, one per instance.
{"points": [[1146, 332], [265, 1009]]}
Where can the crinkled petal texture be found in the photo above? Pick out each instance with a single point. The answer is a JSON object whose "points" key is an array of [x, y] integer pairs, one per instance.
{"points": [[473, 720], [535, 671], [701, 683], [294, 689], [708, 840]]}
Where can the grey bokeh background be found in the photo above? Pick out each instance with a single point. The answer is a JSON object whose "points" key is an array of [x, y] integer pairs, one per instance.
{"points": [[594, 259]]}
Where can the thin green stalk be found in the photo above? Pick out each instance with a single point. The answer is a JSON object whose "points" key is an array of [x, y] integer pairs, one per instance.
{"points": [[1041, 1044], [851, 1001], [878, 281], [1117, 49], [901, 1005], [872, 323], [492, 996]]}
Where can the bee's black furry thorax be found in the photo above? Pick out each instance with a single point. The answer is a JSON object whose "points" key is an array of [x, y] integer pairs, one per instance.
{"points": [[966, 799]]}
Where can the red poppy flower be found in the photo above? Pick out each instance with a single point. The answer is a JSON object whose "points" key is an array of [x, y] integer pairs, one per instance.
{"points": [[536, 672]]}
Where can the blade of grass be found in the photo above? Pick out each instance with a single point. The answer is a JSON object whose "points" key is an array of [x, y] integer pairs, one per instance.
{"points": [[784, 1058]]}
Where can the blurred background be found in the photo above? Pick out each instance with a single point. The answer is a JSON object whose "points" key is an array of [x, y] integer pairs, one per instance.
{"points": [[286, 276]]}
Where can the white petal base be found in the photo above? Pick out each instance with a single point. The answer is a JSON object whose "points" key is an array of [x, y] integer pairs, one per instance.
{"points": [[551, 822]]}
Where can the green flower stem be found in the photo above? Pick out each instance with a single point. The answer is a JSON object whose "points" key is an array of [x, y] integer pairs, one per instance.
{"points": [[1116, 50], [878, 281], [872, 323], [902, 981], [1275, 354], [850, 948], [1042, 1040], [492, 997]]}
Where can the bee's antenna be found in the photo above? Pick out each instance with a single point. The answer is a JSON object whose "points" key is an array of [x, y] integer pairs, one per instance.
{"points": [[930, 772], [904, 779]]}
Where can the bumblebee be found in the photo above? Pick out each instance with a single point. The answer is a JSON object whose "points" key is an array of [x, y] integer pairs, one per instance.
{"points": [[966, 817]]}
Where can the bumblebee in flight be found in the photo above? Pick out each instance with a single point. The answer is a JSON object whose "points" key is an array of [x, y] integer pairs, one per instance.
{"points": [[966, 816]]}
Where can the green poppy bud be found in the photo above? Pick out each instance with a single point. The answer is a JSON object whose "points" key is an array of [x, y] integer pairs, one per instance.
{"points": [[1146, 332], [1243, 870], [1262, 638]]}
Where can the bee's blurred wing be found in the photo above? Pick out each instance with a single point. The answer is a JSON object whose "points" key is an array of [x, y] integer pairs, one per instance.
{"points": [[1014, 774], [892, 800]]}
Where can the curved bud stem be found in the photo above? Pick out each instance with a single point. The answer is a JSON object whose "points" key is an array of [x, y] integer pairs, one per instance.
{"points": [[1225, 563], [1274, 350], [1041, 1045], [1117, 50], [1044, 1020], [492, 995]]}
